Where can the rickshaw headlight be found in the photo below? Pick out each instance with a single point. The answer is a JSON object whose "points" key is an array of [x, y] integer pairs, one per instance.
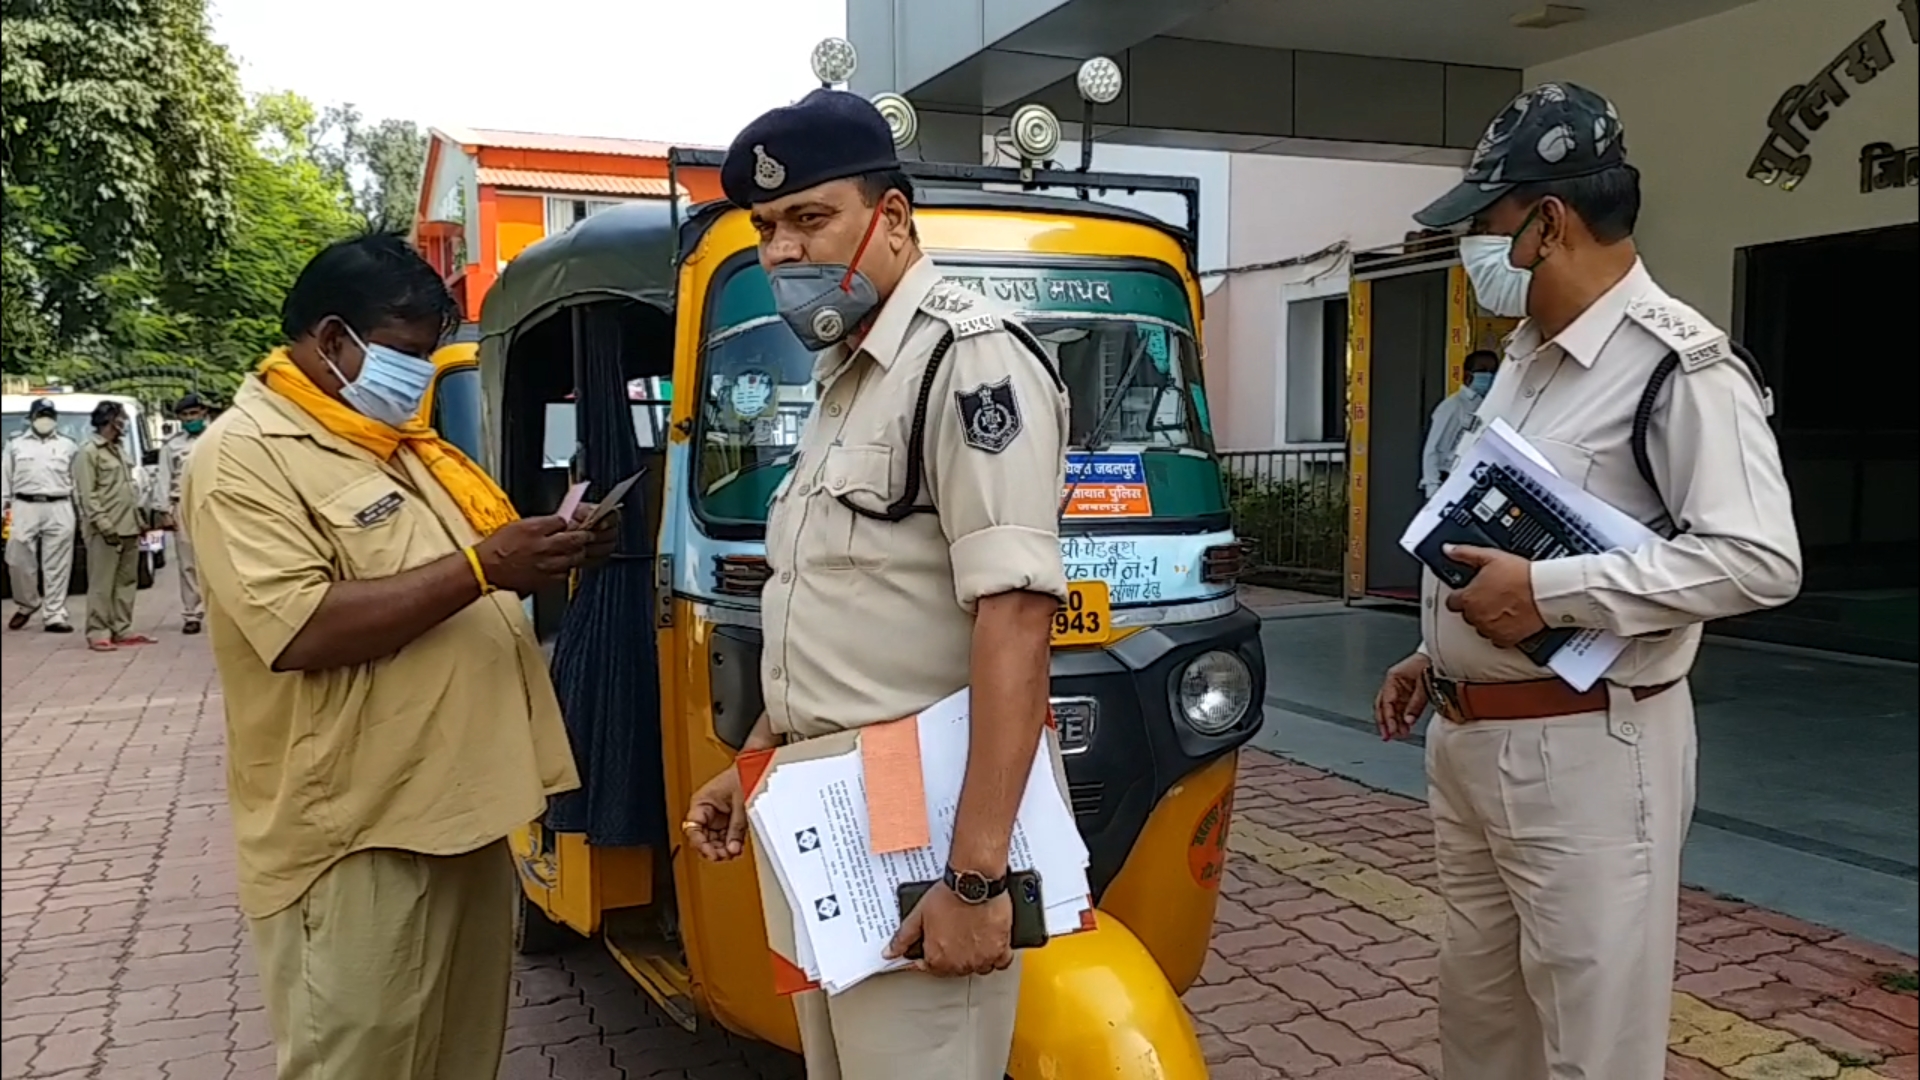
{"points": [[902, 122], [1036, 131], [1099, 80], [834, 61], [1216, 690]]}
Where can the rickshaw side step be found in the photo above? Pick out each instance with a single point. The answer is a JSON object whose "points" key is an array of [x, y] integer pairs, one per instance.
{"points": [[656, 964]]}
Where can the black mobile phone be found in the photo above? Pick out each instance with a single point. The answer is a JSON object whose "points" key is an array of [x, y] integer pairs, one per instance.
{"points": [[1029, 909]]}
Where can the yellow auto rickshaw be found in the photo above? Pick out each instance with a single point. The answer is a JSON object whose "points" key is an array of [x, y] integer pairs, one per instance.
{"points": [[645, 338]]}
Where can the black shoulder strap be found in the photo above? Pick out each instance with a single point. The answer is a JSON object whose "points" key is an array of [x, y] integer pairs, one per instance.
{"points": [[907, 505], [1649, 400]]}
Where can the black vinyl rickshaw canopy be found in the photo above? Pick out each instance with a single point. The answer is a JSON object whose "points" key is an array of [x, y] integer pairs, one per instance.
{"points": [[624, 252], [596, 303]]}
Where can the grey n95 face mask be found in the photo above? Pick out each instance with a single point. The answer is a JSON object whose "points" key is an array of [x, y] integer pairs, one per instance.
{"points": [[822, 302]]}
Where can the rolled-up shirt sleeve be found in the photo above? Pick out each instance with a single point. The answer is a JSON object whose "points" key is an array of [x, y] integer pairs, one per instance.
{"points": [[1737, 549], [263, 561], [996, 452]]}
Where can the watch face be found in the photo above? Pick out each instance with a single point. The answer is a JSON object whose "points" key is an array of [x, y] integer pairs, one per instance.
{"points": [[971, 887]]}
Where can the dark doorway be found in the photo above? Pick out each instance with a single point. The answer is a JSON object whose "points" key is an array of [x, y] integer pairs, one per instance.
{"points": [[1832, 320], [1409, 379]]}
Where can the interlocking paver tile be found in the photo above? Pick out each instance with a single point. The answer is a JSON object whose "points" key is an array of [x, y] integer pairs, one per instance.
{"points": [[1761, 995], [124, 957]]}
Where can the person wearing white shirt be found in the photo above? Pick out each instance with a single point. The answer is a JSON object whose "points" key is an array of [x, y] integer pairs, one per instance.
{"points": [[1451, 418], [39, 494]]}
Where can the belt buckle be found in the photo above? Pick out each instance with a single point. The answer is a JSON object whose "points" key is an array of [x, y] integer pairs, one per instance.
{"points": [[1443, 696]]}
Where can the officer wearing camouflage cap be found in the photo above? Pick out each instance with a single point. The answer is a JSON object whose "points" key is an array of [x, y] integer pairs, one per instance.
{"points": [[915, 550], [1559, 815]]}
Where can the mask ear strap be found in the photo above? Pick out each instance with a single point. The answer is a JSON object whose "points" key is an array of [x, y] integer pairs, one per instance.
{"points": [[873, 223]]}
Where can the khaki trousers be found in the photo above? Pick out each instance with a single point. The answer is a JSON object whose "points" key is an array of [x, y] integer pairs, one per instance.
{"points": [[906, 1024], [40, 551], [113, 579], [193, 607], [394, 966], [1558, 843]]}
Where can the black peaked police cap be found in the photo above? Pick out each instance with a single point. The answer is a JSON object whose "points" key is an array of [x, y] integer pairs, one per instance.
{"points": [[827, 135], [1555, 131]]}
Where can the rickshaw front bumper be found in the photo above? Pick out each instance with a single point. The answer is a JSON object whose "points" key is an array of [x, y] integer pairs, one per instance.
{"points": [[1126, 734], [1096, 1004]]}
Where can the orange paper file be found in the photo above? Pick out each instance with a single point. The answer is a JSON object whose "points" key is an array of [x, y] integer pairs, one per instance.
{"points": [[896, 792]]}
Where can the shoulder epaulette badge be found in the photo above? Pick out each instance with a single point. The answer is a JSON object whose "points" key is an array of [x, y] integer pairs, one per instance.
{"points": [[961, 309], [1696, 341]]}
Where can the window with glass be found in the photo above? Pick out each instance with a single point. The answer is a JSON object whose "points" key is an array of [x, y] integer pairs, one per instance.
{"points": [[1119, 332]]}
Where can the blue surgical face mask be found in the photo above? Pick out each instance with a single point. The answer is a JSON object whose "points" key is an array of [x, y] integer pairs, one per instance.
{"points": [[391, 384], [1480, 382]]}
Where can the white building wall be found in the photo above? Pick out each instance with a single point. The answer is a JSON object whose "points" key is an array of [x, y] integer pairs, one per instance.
{"points": [[1695, 100], [1265, 376]]}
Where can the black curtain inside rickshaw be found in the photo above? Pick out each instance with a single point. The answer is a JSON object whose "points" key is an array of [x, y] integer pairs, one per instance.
{"points": [[605, 667]]}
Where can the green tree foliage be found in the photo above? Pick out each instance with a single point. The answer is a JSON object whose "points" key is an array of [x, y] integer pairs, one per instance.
{"points": [[217, 319], [119, 147], [154, 218], [379, 163]]}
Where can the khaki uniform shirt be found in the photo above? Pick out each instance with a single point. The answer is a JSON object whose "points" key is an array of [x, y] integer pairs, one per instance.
{"points": [[868, 621], [37, 466], [104, 486], [441, 748], [1719, 470], [173, 468]]}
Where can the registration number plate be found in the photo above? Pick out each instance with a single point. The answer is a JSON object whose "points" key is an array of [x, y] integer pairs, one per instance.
{"points": [[1087, 616]]}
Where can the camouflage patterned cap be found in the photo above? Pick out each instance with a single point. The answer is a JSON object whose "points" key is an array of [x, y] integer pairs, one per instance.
{"points": [[1555, 131]]}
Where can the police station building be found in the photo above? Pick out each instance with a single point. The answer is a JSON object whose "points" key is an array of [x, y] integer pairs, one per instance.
{"points": [[1777, 139]]}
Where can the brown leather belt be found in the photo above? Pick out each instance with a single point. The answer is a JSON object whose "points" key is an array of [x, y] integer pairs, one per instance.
{"points": [[1536, 699]]}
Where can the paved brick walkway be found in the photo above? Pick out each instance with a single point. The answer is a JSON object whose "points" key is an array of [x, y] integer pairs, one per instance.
{"points": [[124, 958], [1324, 959]]}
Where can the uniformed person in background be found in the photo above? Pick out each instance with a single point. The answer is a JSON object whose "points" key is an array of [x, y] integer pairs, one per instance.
{"points": [[1559, 816], [1450, 419], [907, 564], [109, 499], [192, 412], [39, 496]]}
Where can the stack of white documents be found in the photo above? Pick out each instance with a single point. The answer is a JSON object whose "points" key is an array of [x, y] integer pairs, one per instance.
{"points": [[811, 822]]}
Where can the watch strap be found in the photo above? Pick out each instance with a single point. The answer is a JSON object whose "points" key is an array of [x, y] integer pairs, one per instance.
{"points": [[973, 887]]}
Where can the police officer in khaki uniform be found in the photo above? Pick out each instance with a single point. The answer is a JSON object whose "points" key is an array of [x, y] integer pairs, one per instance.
{"points": [[915, 550], [109, 499], [38, 481], [389, 715], [192, 413], [1559, 816]]}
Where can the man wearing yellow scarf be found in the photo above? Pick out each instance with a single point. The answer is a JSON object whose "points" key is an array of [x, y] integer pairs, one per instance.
{"points": [[389, 715]]}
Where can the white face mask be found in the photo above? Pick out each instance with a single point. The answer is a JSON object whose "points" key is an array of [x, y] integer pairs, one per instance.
{"points": [[43, 425], [1500, 286]]}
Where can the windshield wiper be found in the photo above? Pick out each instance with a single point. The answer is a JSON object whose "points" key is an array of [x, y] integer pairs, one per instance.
{"points": [[1095, 440]]}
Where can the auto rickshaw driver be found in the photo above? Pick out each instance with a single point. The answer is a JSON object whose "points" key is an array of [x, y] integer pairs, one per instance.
{"points": [[895, 585]]}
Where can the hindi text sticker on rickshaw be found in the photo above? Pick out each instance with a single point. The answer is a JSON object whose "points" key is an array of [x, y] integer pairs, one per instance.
{"points": [[1107, 486], [1207, 850]]}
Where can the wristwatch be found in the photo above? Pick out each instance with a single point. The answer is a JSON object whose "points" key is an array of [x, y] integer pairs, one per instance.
{"points": [[972, 887]]}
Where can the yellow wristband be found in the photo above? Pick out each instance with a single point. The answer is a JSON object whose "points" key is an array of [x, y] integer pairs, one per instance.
{"points": [[479, 574]]}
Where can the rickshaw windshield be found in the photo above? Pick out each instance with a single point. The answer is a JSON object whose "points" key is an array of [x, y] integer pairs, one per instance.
{"points": [[1121, 337]]}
